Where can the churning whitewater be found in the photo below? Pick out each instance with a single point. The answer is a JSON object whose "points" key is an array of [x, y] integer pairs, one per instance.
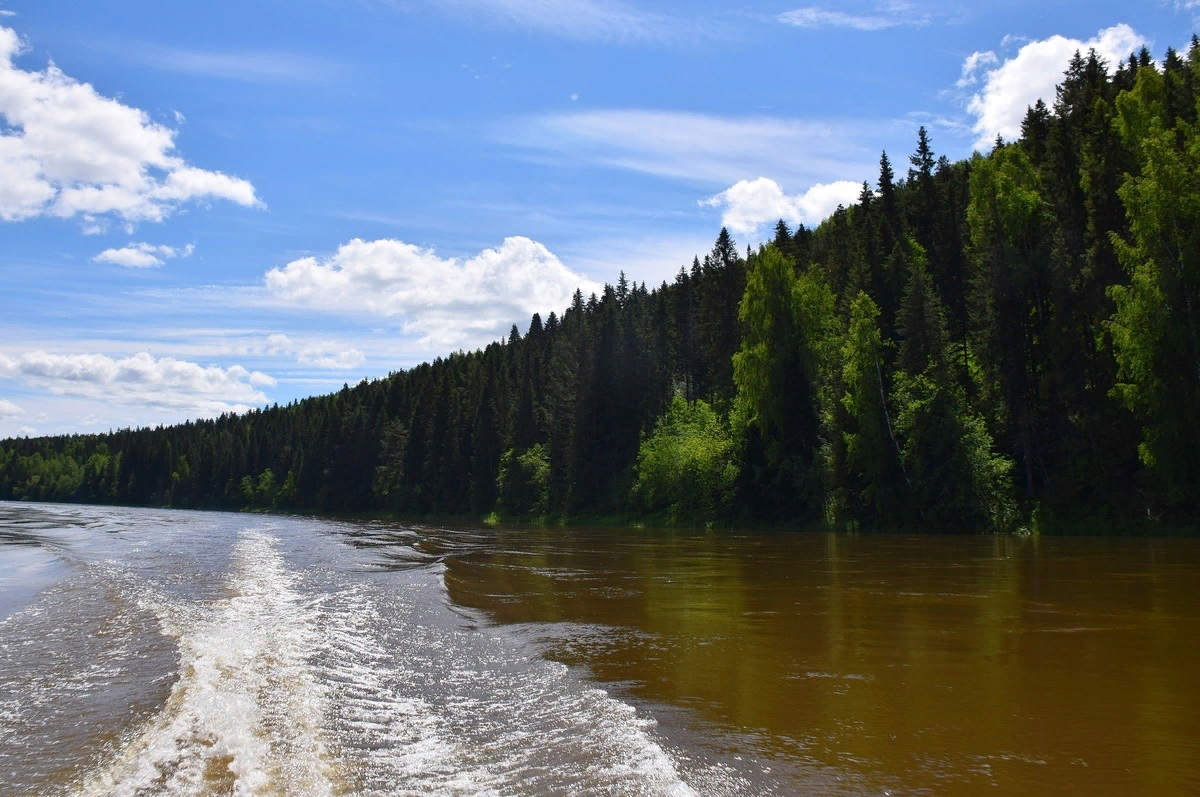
{"points": [[223, 657], [246, 712], [165, 653]]}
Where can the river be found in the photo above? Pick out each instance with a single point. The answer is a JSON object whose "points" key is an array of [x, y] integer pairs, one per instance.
{"points": [[155, 652]]}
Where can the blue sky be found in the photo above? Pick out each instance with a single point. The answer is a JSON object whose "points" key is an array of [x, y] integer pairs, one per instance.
{"points": [[212, 206]]}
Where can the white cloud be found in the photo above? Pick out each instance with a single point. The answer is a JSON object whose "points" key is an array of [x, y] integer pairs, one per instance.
{"points": [[575, 19], [278, 344], [27, 431], [812, 17], [70, 151], [261, 66], [700, 147], [9, 410], [318, 354], [140, 381], [330, 357], [142, 255], [975, 61], [449, 302], [750, 204], [1032, 74]]}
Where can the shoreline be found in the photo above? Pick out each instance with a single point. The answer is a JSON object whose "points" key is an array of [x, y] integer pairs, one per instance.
{"points": [[1080, 526]]}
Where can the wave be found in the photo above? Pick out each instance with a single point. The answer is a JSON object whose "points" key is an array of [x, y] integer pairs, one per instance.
{"points": [[314, 682]]}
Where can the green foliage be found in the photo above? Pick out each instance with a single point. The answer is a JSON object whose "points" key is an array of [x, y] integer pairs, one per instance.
{"points": [[687, 467], [1156, 326], [956, 482], [1033, 311], [287, 491], [874, 485], [261, 492], [1012, 237], [783, 374], [523, 483], [247, 489]]}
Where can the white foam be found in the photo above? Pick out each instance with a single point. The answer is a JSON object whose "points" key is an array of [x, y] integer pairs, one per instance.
{"points": [[245, 712], [448, 710], [316, 683], [395, 740]]}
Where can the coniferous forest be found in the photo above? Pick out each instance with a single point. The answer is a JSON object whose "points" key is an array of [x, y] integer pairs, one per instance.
{"points": [[1007, 342]]}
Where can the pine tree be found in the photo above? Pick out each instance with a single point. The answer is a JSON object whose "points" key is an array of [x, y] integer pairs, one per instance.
{"points": [[782, 377], [954, 480], [1156, 326], [874, 482]]}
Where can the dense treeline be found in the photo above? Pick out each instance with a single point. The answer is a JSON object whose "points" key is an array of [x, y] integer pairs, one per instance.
{"points": [[979, 344]]}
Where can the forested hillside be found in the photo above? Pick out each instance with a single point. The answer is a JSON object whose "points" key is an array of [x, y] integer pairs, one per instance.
{"points": [[984, 344]]}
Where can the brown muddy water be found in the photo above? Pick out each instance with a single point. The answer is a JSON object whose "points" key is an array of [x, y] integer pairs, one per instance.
{"points": [[148, 652]]}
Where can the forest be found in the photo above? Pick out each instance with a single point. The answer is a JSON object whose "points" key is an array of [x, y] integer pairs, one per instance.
{"points": [[1010, 342]]}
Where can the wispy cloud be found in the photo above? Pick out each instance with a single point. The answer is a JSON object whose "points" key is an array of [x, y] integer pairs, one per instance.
{"points": [[251, 66], [890, 15], [972, 66], [142, 255], [823, 18], [701, 148], [609, 20], [323, 354], [645, 258], [1191, 7]]}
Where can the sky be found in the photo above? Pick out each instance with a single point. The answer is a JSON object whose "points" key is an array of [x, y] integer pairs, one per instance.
{"points": [[210, 207]]}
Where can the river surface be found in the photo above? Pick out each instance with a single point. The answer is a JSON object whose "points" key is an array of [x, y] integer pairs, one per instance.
{"points": [[153, 652]]}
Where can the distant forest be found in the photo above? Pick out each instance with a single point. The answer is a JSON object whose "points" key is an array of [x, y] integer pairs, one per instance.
{"points": [[1006, 342]]}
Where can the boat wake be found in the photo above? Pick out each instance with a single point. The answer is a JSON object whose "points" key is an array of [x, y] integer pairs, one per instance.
{"points": [[245, 714], [303, 681]]}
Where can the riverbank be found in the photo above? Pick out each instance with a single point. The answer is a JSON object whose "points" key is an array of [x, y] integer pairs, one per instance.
{"points": [[1038, 523]]}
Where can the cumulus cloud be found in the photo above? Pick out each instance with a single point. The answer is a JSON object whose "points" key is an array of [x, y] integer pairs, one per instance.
{"points": [[1032, 74], [66, 151], [9, 410], [749, 204], [142, 255], [318, 354], [448, 302], [140, 381], [975, 61], [278, 344]]}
